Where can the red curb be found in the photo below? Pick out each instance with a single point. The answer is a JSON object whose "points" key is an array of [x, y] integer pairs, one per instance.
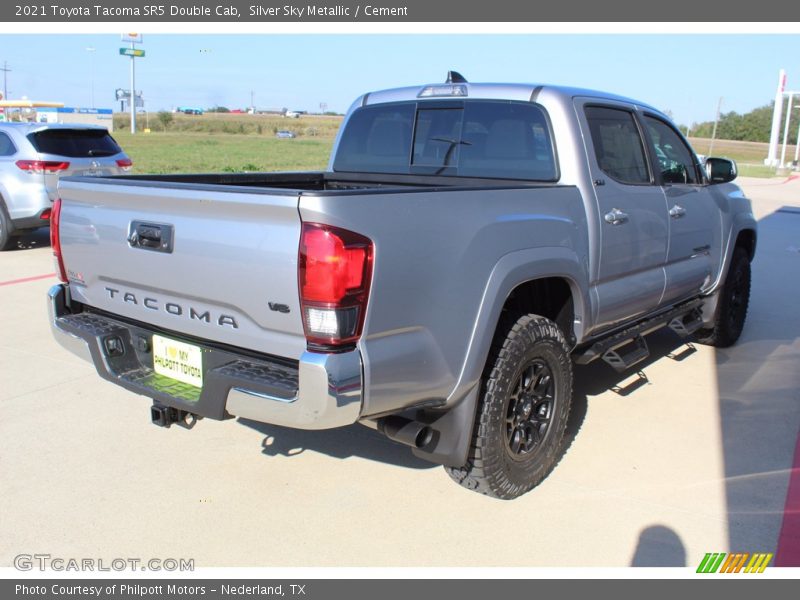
{"points": [[26, 279], [788, 552]]}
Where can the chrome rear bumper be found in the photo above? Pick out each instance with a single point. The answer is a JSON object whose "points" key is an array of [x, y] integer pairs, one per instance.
{"points": [[320, 391]]}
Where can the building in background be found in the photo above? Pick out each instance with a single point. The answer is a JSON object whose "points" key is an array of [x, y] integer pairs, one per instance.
{"points": [[34, 111], [85, 116]]}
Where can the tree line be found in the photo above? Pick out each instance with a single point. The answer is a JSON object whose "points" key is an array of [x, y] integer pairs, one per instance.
{"points": [[753, 126]]}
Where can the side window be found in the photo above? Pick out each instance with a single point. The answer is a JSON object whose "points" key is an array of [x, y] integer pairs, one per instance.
{"points": [[675, 160], [377, 140], [6, 145], [617, 144], [506, 140]]}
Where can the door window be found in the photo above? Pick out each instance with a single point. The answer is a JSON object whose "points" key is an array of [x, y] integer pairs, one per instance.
{"points": [[617, 144], [674, 159]]}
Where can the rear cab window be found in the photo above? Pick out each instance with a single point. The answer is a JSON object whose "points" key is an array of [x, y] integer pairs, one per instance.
{"points": [[486, 139], [75, 143]]}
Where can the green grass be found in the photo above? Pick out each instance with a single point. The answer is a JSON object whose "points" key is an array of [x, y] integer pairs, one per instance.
{"points": [[749, 156], [750, 170], [748, 152], [166, 153], [216, 142]]}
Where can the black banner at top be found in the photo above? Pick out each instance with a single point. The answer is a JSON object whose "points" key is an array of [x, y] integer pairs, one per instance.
{"points": [[410, 11]]}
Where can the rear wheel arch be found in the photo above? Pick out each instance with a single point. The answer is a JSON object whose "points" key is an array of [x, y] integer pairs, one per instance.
{"points": [[522, 410], [555, 298], [513, 279]]}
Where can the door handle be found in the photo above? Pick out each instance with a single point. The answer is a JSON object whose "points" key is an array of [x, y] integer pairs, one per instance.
{"points": [[616, 217], [677, 211]]}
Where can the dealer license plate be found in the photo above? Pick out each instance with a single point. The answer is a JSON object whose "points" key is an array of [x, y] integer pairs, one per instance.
{"points": [[178, 360]]}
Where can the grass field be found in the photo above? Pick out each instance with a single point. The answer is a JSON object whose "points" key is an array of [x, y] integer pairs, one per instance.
{"points": [[749, 156], [215, 142], [231, 142], [209, 153]]}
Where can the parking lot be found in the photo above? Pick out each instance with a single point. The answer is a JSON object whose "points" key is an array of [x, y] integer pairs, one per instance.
{"points": [[693, 454]]}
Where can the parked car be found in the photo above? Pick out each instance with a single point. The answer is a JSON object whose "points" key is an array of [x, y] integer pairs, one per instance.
{"points": [[283, 133], [467, 245], [33, 156]]}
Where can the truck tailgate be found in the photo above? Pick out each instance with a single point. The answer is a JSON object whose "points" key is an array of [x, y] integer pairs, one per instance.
{"points": [[229, 274]]}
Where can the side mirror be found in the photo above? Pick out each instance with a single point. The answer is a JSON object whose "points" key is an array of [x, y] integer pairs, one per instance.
{"points": [[720, 170]]}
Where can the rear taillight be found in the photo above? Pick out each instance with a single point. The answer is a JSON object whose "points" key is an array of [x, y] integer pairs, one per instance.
{"points": [[42, 166], [45, 216], [124, 163], [55, 240], [335, 269]]}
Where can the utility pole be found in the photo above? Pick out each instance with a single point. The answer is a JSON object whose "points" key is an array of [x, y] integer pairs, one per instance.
{"points": [[5, 71], [91, 50], [714, 131], [133, 89]]}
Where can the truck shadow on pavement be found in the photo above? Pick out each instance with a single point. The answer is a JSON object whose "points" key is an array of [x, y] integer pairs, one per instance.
{"points": [[344, 442], [759, 403], [358, 440], [598, 377]]}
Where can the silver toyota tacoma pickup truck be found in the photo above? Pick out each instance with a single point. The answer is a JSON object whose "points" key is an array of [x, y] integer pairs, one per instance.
{"points": [[467, 244]]}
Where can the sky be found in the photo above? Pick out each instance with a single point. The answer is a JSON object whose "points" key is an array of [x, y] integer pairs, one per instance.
{"points": [[685, 74]]}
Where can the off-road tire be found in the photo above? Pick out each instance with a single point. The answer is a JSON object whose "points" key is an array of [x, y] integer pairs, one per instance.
{"points": [[733, 301], [500, 462]]}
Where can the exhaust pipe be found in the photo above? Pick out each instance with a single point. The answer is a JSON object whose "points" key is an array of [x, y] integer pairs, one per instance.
{"points": [[405, 431], [164, 416]]}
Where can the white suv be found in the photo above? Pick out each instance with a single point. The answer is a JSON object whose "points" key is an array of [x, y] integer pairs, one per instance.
{"points": [[32, 158]]}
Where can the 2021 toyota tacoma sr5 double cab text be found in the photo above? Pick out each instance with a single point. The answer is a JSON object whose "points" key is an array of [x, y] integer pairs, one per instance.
{"points": [[467, 244]]}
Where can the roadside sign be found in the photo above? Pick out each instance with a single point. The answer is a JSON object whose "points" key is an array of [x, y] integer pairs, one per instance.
{"points": [[135, 38], [132, 52]]}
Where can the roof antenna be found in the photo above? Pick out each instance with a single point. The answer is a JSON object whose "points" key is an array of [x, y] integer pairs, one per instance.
{"points": [[455, 77]]}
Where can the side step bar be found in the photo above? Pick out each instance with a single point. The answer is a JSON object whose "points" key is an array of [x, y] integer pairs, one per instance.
{"points": [[684, 319], [622, 361], [686, 325]]}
